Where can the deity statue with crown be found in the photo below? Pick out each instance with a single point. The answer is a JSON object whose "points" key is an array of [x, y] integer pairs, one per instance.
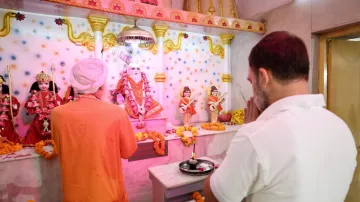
{"points": [[214, 103], [134, 86], [43, 98], [7, 128]]}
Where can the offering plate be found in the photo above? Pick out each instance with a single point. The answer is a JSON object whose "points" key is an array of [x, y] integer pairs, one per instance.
{"points": [[196, 167]]}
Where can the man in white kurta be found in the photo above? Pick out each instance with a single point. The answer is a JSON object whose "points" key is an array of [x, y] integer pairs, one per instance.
{"points": [[291, 149]]}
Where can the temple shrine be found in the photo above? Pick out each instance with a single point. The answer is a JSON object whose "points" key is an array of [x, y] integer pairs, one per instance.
{"points": [[178, 68]]}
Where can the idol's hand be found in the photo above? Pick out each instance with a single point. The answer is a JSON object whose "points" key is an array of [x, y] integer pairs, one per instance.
{"points": [[251, 111], [15, 107]]}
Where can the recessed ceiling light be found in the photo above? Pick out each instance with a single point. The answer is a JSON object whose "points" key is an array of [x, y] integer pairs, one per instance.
{"points": [[354, 39]]}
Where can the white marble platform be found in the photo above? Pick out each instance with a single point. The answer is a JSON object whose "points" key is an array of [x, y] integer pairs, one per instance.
{"points": [[212, 144], [29, 176], [201, 132], [24, 176], [153, 124], [170, 184]]}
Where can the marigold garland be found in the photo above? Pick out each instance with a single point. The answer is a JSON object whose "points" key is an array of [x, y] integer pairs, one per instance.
{"points": [[39, 148], [159, 142], [7, 147], [187, 140], [141, 136], [197, 197], [213, 126]]}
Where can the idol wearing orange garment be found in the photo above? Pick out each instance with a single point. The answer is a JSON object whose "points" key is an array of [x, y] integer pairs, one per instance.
{"points": [[92, 136], [212, 100], [135, 88], [190, 110]]}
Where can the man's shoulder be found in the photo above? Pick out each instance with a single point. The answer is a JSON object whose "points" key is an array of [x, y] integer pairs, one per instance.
{"points": [[112, 108], [100, 106]]}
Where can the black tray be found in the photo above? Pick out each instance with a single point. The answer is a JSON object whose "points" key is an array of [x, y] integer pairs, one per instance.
{"points": [[189, 169]]}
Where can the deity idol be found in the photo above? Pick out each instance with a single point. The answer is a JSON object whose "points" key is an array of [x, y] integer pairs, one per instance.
{"points": [[7, 128], [69, 96], [43, 98], [214, 103], [135, 88], [187, 105]]}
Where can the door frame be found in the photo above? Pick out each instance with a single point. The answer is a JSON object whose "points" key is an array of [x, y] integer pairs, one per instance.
{"points": [[324, 56]]}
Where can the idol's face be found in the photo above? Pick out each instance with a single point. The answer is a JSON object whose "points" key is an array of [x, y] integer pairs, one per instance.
{"points": [[44, 85], [187, 93], [135, 70], [215, 93]]}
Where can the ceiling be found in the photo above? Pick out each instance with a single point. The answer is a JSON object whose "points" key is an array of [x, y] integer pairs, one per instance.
{"points": [[55, 9]]}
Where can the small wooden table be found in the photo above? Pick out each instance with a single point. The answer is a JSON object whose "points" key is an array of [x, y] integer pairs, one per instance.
{"points": [[170, 184]]}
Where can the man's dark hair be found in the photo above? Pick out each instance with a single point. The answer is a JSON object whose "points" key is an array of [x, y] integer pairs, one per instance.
{"points": [[282, 53]]}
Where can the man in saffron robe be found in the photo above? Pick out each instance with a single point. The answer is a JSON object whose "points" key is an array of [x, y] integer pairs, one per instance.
{"points": [[92, 136]]}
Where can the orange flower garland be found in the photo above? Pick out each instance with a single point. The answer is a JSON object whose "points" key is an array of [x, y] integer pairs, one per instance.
{"points": [[39, 148], [213, 126], [141, 136], [197, 197], [7, 147], [187, 140], [159, 142]]}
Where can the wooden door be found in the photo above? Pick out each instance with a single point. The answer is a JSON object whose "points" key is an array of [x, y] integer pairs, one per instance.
{"points": [[343, 94]]}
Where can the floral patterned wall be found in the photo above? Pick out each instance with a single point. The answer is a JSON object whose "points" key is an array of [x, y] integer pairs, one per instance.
{"points": [[37, 42], [33, 45]]}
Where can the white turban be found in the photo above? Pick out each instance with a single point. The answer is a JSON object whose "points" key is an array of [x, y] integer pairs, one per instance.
{"points": [[88, 75]]}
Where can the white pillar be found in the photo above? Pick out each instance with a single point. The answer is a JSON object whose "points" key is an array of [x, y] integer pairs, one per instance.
{"points": [[160, 76], [226, 77], [160, 55], [98, 25], [98, 36]]}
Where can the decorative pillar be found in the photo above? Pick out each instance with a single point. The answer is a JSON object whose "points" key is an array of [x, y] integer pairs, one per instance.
{"points": [[226, 77], [160, 75], [98, 25]]}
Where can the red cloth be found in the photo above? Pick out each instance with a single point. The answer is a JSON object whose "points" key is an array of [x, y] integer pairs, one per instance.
{"points": [[8, 130], [191, 108], [35, 133], [215, 99]]}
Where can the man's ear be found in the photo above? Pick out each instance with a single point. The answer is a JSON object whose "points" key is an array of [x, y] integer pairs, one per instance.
{"points": [[264, 77]]}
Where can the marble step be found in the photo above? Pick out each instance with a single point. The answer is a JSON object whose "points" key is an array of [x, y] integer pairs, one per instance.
{"points": [[155, 124]]}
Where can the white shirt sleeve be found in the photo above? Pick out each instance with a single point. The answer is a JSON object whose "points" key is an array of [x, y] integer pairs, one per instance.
{"points": [[237, 175]]}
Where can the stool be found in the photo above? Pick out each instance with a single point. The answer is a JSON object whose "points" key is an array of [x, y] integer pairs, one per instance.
{"points": [[169, 184]]}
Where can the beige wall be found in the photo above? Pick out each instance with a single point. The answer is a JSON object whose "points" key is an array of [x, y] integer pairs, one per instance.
{"points": [[251, 9], [304, 17], [327, 14], [296, 19]]}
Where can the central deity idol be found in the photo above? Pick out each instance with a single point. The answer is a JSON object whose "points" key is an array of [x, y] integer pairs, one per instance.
{"points": [[134, 86]]}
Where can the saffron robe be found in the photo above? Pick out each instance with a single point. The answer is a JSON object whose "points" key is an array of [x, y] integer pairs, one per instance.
{"points": [[92, 137]]}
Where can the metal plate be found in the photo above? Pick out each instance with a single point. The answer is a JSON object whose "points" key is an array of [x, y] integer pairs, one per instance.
{"points": [[207, 166]]}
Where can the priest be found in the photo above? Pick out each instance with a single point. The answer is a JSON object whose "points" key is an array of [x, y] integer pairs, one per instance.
{"points": [[92, 136]]}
